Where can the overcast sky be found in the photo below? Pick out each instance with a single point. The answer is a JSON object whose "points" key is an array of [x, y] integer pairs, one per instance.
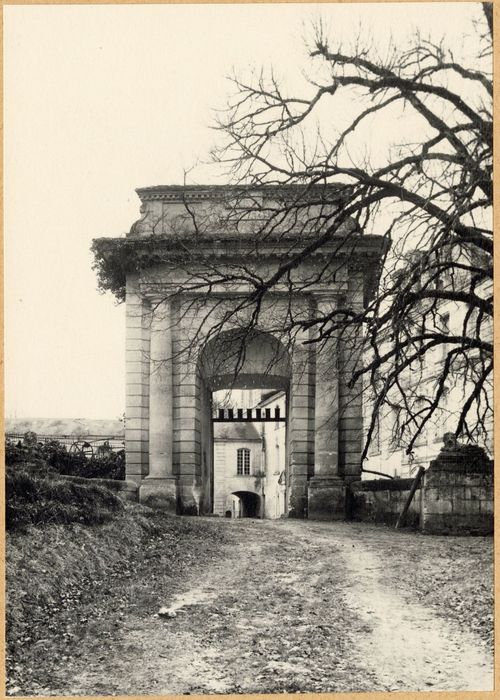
{"points": [[100, 100]]}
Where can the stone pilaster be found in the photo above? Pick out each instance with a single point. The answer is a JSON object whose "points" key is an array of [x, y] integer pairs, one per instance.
{"points": [[160, 486], [300, 412], [351, 396], [187, 437], [137, 382], [326, 494]]}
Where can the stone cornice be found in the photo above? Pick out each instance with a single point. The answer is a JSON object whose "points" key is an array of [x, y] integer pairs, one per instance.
{"points": [[116, 258], [355, 246], [181, 193], [325, 295], [149, 290]]}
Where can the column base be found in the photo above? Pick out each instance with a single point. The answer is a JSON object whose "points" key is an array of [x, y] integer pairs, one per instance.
{"points": [[190, 495], [326, 498], [159, 493], [297, 497]]}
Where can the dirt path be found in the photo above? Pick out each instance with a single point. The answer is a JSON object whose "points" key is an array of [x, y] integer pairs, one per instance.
{"points": [[289, 606]]}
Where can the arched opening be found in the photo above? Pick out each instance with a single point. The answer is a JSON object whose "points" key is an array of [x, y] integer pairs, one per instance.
{"points": [[246, 377], [240, 359], [250, 504]]}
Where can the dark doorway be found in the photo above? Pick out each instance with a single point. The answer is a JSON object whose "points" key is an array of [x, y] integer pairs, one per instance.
{"points": [[250, 504]]}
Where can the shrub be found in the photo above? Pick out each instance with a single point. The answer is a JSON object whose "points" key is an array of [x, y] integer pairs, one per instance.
{"points": [[105, 465]]}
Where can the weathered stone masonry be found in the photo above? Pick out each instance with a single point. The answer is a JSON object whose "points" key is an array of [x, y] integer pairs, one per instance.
{"points": [[171, 355], [455, 495]]}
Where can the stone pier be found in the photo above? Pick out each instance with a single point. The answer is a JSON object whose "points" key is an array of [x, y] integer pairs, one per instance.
{"points": [[159, 488], [326, 495]]}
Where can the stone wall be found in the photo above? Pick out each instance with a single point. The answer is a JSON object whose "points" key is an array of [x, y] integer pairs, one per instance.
{"points": [[455, 495], [458, 493], [382, 501]]}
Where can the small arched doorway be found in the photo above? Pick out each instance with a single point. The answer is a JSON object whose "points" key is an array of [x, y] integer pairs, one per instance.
{"points": [[250, 504]]}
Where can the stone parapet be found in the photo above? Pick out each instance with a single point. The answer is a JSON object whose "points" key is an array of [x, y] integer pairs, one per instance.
{"points": [[382, 501]]}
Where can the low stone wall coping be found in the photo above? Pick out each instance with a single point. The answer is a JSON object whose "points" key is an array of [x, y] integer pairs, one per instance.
{"points": [[111, 484], [462, 465], [382, 485]]}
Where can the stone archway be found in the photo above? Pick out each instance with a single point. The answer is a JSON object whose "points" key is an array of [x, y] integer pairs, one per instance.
{"points": [[238, 359], [168, 392]]}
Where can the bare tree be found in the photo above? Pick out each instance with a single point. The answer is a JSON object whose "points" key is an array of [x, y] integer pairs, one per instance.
{"points": [[430, 196]]}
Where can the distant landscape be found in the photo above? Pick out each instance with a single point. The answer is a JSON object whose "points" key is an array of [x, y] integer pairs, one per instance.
{"points": [[65, 426]]}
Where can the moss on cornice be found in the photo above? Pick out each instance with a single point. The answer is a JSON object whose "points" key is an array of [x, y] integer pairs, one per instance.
{"points": [[115, 258]]}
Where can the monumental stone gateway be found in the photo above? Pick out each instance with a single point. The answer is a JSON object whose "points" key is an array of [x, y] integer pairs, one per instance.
{"points": [[186, 271]]}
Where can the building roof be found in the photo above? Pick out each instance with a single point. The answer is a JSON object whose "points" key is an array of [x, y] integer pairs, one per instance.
{"points": [[65, 426], [269, 397], [235, 431]]}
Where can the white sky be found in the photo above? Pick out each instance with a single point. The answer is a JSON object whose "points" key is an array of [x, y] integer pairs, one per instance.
{"points": [[100, 100]]}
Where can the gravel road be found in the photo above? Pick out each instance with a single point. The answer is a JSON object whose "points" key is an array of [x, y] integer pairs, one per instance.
{"points": [[290, 606]]}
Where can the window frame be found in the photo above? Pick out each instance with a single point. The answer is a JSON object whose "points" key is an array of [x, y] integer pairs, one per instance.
{"points": [[243, 461]]}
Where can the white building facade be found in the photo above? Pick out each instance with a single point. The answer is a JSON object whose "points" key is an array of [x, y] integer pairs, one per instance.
{"points": [[387, 452], [238, 476]]}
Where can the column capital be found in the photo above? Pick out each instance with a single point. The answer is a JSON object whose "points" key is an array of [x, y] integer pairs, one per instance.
{"points": [[326, 300]]}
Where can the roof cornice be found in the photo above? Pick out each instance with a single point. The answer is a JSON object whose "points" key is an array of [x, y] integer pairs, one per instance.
{"points": [[180, 193]]}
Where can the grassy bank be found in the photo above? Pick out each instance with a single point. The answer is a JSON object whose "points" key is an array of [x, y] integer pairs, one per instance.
{"points": [[69, 581], [37, 496]]}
